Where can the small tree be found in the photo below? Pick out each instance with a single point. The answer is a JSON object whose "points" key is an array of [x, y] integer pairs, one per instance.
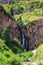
{"points": [[11, 11], [20, 22], [6, 35]]}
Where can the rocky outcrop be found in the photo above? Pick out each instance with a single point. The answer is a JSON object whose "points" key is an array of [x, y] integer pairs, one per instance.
{"points": [[35, 33], [7, 22]]}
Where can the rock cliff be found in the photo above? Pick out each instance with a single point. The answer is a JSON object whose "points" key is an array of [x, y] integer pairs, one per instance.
{"points": [[7, 22], [33, 32]]}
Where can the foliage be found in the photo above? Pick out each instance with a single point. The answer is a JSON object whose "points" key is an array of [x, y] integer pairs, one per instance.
{"points": [[15, 45], [11, 11], [6, 35], [39, 54], [20, 22], [29, 10], [7, 57], [26, 55]]}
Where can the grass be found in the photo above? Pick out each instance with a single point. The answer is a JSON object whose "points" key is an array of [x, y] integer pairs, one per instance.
{"points": [[38, 57], [26, 15], [9, 57], [6, 54], [40, 64], [30, 17]]}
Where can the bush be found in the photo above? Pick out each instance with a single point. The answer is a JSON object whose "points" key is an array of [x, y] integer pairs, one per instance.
{"points": [[7, 57], [2, 45], [6, 35], [26, 55], [15, 62]]}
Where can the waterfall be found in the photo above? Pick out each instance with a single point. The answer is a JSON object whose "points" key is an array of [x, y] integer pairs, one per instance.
{"points": [[23, 38]]}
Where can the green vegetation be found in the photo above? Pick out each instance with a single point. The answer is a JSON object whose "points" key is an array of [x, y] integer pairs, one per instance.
{"points": [[6, 35], [40, 64], [39, 55], [29, 11], [26, 55], [8, 56], [23, 11]]}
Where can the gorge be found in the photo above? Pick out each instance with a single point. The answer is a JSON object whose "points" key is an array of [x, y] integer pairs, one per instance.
{"points": [[32, 35]]}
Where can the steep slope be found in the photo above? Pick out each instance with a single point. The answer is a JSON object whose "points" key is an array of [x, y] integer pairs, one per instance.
{"points": [[38, 57], [27, 9], [6, 21], [31, 13], [34, 32], [7, 56]]}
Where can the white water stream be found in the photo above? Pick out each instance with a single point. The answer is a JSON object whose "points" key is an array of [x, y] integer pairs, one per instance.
{"points": [[23, 38]]}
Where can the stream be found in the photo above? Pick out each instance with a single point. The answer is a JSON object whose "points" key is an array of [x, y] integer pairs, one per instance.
{"points": [[23, 45], [23, 39]]}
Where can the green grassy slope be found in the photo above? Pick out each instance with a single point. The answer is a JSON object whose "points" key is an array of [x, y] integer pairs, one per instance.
{"points": [[30, 10], [38, 57], [8, 55]]}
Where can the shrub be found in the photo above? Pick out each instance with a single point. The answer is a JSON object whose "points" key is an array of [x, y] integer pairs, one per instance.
{"points": [[6, 35], [15, 62], [26, 55], [7, 57], [11, 11], [2, 45]]}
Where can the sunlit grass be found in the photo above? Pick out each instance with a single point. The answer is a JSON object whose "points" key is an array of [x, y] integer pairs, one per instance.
{"points": [[38, 57], [30, 17], [26, 15]]}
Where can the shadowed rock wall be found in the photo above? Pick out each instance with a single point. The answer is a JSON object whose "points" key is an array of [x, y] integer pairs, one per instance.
{"points": [[35, 33]]}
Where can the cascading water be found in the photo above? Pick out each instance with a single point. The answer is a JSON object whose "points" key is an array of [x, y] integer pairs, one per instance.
{"points": [[23, 39]]}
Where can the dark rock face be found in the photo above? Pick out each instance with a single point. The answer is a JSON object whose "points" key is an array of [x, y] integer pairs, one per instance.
{"points": [[7, 22], [35, 34]]}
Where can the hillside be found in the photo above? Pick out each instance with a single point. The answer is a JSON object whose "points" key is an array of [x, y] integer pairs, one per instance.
{"points": [[6, 21], [38, 57], [28, 10], [12, 54], [7, 56], [21, 31], [31, 13]]}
